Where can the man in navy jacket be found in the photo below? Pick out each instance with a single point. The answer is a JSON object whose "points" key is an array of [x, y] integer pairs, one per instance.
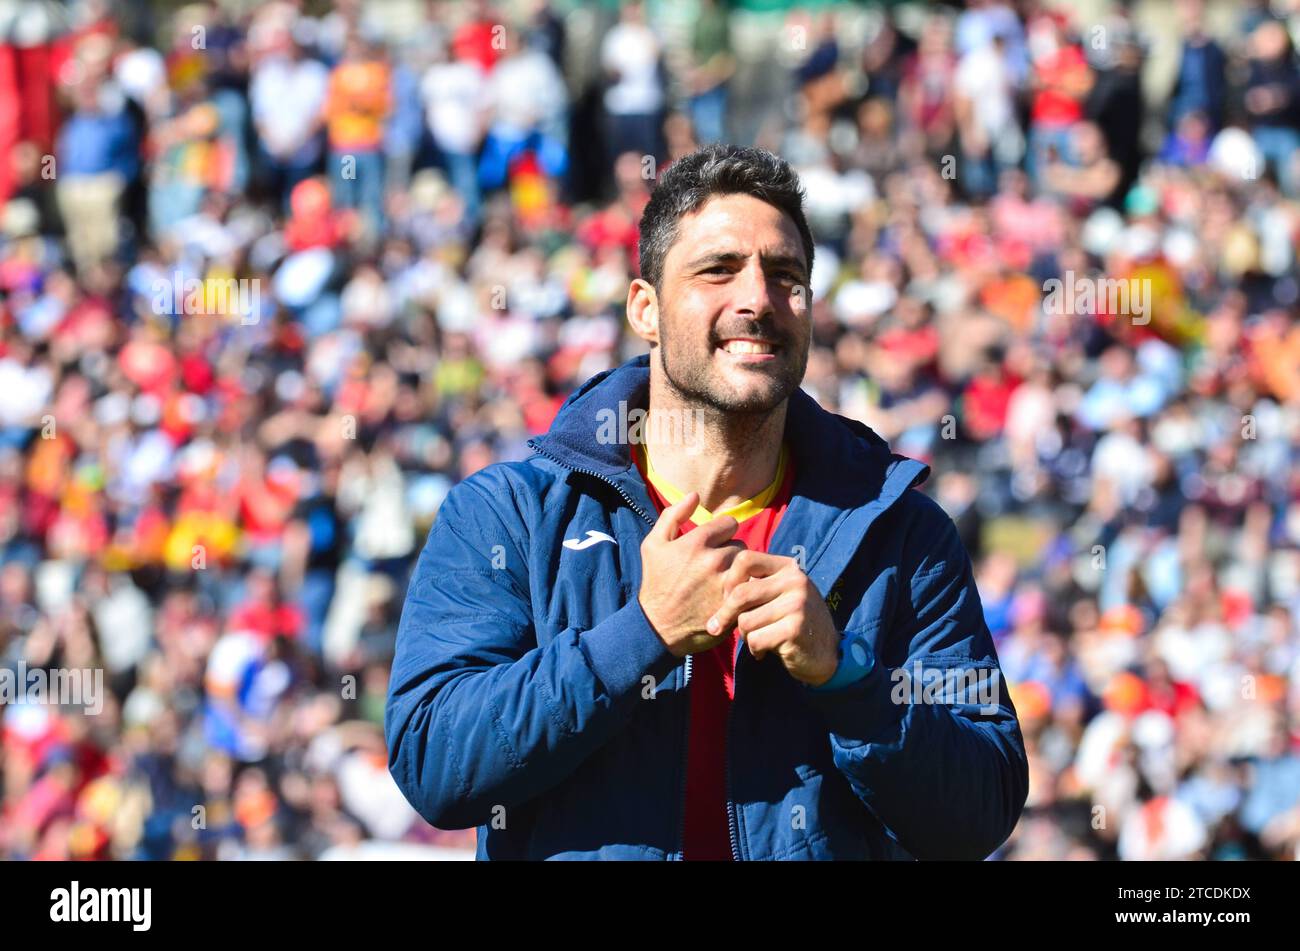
{"points": [[540, 689]]}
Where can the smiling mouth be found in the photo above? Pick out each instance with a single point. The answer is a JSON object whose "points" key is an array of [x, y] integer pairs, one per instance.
{"points": [[745, 347]]}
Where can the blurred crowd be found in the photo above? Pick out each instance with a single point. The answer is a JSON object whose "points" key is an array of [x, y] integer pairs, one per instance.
{"points": [[422, 221]]}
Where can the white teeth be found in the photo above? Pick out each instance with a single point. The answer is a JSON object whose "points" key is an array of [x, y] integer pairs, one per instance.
{"points": [[746, 346]]}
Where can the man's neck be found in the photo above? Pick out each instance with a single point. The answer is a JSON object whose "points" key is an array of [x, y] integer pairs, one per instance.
{"points": [[725, 457]]}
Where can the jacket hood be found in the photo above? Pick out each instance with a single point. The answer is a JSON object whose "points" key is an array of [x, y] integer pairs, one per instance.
{"points": [[839, 462]]}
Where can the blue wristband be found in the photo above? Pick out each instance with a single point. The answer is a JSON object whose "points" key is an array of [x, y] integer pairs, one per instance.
{"points": [[856, 661]]}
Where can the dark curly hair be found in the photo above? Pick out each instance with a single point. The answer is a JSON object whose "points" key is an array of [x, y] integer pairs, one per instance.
{"points": [[716, 169]]}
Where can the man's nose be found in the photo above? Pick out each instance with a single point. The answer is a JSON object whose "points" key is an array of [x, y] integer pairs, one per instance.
{"points": [[753, 299]]}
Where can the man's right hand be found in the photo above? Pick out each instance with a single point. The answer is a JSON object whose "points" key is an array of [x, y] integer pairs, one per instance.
{"points": [[681, 578]]}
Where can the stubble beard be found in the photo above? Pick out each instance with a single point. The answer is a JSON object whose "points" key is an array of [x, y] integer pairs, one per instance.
{"points": [[691, 380]]}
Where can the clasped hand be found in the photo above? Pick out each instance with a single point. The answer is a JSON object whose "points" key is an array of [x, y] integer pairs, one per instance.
{"points": [[699, 586]]}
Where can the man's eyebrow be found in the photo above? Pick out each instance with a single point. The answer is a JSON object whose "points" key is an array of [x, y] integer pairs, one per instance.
{"points": [[732, 257], [786, 260], [715, 257]]}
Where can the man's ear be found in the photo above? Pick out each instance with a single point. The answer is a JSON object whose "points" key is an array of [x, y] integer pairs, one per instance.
{"points": [[643, 310]]}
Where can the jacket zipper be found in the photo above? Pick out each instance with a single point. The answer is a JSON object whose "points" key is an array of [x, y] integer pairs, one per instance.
{"points": [[731, 806], [595, 475], [686, 753]]}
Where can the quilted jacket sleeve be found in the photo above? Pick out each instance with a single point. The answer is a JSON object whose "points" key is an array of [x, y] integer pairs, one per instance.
{"points": [[478, 715], [932, 747]]}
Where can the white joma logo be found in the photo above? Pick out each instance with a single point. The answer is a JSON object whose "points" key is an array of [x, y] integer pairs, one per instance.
{"points": [[593, 538]]}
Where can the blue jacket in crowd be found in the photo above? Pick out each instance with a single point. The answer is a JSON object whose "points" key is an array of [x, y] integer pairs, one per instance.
{"points": [[530, 696]]}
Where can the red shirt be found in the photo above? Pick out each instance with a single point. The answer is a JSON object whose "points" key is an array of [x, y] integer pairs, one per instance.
{"points": [[1053, 105], [707, 827], [267, 621]]}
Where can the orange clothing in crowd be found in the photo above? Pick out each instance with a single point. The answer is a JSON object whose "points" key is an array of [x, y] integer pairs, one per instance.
{"points": [[1276, 360], [1013, 298], [357, 104]]}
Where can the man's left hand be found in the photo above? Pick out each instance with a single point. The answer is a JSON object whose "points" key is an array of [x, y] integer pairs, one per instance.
{"points": [[778, 609]]}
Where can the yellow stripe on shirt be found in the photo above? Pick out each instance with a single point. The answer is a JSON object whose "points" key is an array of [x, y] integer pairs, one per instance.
{"points": [[740, 511]]}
